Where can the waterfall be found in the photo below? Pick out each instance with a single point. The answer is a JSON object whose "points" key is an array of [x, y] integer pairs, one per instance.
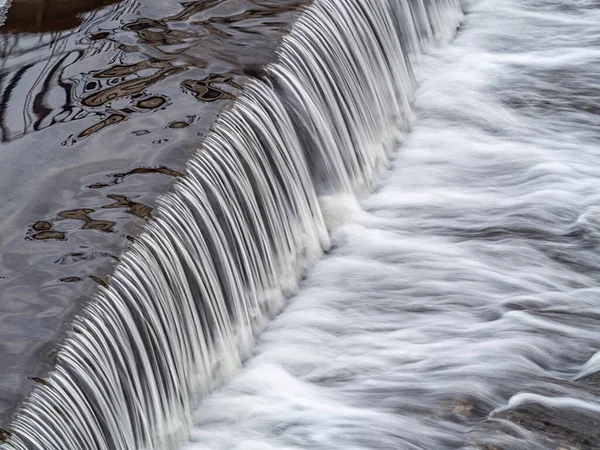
{"points": [[231, 241]]}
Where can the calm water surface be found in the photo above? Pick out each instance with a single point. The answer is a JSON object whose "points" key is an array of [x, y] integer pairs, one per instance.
{"points": [[101, 104]]}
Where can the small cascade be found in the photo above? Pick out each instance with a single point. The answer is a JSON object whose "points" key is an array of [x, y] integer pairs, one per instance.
{"points": [[232, 239]]}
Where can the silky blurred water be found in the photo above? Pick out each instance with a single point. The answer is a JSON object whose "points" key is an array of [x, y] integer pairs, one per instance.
{"points": [[4, 5], [102, 103], [460, 305]]}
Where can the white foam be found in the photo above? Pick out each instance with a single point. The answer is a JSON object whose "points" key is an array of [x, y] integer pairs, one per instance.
{"points": [[469, 283]]}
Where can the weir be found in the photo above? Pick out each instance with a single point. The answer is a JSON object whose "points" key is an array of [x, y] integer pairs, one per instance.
{"points": [[231, 240], [100, 111]]}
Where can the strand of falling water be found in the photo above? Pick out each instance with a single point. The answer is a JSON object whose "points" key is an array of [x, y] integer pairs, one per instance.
{"points": [[146, 348], [4, 5], [358, 118], [233, 238]]}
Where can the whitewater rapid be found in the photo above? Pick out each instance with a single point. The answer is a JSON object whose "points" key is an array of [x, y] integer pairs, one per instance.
{"points": [[460, 304]]}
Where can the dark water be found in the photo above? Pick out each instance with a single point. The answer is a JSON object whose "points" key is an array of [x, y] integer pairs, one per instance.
{"points": [[102, 103]]}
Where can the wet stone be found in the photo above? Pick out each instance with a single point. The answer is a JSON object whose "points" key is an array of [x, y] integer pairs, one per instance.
{"points": [[554, 428], [567, 426]]}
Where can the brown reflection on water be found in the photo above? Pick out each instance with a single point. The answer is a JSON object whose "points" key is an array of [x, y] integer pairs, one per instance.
{"points": [[137, 209], [38, 16], [99, 281], [130, 87], [4, 435], [39, 380], [158, 34], [103, 103], [206, 91], [179, 125], [153, 102], [144, 170], [77, 257], [163, 50], [110, 120], [122, 70], [70, 280], [88, 223], [251, 14], [118, 178], [43, 231]]}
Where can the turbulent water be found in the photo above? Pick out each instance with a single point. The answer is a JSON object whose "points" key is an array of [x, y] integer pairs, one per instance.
{"points": [[226, 247], [459, 306]]}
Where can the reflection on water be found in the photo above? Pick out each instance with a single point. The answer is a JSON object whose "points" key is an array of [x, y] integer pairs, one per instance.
{"points": [[160, 36], [130, 87], [55, 93], [42, 231], [88, 223], [206, 91], [4, 435], [99, 281], [101, 104], [137, 209], [70, 280], [76, 257], [38, 16], [39, 380], [110, 120], [118, 178], [179, 124], [192, 8]]}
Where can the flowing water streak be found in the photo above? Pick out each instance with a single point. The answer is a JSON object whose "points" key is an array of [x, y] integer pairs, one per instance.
{"points": [[4, 5], [459, 307], [232, 239]]}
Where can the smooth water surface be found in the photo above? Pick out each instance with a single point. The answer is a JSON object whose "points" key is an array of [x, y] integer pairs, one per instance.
{"points": [[102, 102]]}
